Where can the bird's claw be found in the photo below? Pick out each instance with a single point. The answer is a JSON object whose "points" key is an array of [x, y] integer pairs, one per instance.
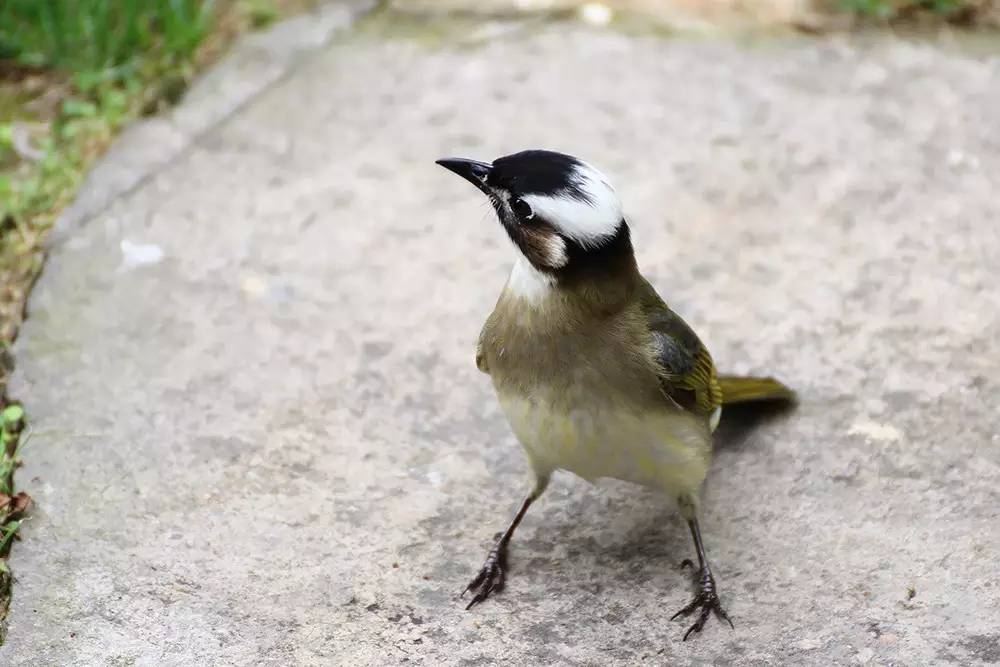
{"points": [[491, 577], [705, 602]]}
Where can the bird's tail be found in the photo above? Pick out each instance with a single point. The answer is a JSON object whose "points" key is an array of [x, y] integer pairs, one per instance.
{"points": [[747, 389]]}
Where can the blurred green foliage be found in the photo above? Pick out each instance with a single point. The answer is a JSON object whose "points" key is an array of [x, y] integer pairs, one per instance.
{"points": [[102, 40], [888, 10], [104, 61], [13, 506], [11, 424]]}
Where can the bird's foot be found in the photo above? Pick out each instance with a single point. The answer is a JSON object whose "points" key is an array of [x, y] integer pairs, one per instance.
{"points": [[491, 577], [705, 602]]}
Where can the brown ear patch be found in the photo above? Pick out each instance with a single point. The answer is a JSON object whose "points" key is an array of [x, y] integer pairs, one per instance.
{"points": [[542, 245]]}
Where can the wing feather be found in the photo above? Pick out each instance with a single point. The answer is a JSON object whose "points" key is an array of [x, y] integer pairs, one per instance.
{"points": [[687, 373]]}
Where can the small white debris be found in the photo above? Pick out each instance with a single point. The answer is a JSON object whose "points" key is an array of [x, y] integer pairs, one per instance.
{"points": [[253, 286], [809, 644], [877, 432], [596, 13], [957, 158], [139, 254]]}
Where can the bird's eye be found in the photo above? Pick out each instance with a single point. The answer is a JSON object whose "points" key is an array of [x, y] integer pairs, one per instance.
{"points": [[522, 208]]}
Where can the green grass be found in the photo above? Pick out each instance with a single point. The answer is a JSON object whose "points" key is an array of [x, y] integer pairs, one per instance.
{"points": [[891, 10], [13, 506], [102, 41], [11, 425]]}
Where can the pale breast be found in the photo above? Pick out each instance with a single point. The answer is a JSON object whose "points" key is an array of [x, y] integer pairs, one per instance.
{"points": [[664, 449]]}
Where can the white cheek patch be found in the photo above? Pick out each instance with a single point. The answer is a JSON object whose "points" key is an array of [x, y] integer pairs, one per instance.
{"points": [[588, 217]]}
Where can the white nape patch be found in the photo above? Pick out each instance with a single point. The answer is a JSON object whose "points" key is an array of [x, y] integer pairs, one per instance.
{"points": [[528, 283], [587, 223]]}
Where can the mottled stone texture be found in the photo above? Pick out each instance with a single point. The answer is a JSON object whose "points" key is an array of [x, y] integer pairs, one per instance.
{"points": [[272, 446]]}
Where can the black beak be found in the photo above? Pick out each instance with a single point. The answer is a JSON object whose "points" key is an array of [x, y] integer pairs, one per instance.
{"points": [[472, 171]]}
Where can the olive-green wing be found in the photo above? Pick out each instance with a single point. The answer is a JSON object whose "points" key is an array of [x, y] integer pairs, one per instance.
{"points": [[687, 373], [753, 390]]}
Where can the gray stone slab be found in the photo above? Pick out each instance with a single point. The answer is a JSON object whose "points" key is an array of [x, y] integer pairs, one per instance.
{"points": [[271, 444], [257, 61]]}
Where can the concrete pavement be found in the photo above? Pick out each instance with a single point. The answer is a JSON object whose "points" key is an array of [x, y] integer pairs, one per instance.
{"points": [[260, 436]]}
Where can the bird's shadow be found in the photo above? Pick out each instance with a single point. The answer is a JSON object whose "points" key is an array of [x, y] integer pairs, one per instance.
{"points": [[741, 420]]}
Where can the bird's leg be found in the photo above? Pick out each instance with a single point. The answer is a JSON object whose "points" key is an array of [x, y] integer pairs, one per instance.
{"points": [[493, 574], [706, 600]]}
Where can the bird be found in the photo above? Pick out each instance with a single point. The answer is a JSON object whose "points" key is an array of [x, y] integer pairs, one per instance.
{"points": [[595, 374]]}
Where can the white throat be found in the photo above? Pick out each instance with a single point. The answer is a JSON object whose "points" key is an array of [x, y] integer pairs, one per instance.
{"points": [[528, 283]]}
